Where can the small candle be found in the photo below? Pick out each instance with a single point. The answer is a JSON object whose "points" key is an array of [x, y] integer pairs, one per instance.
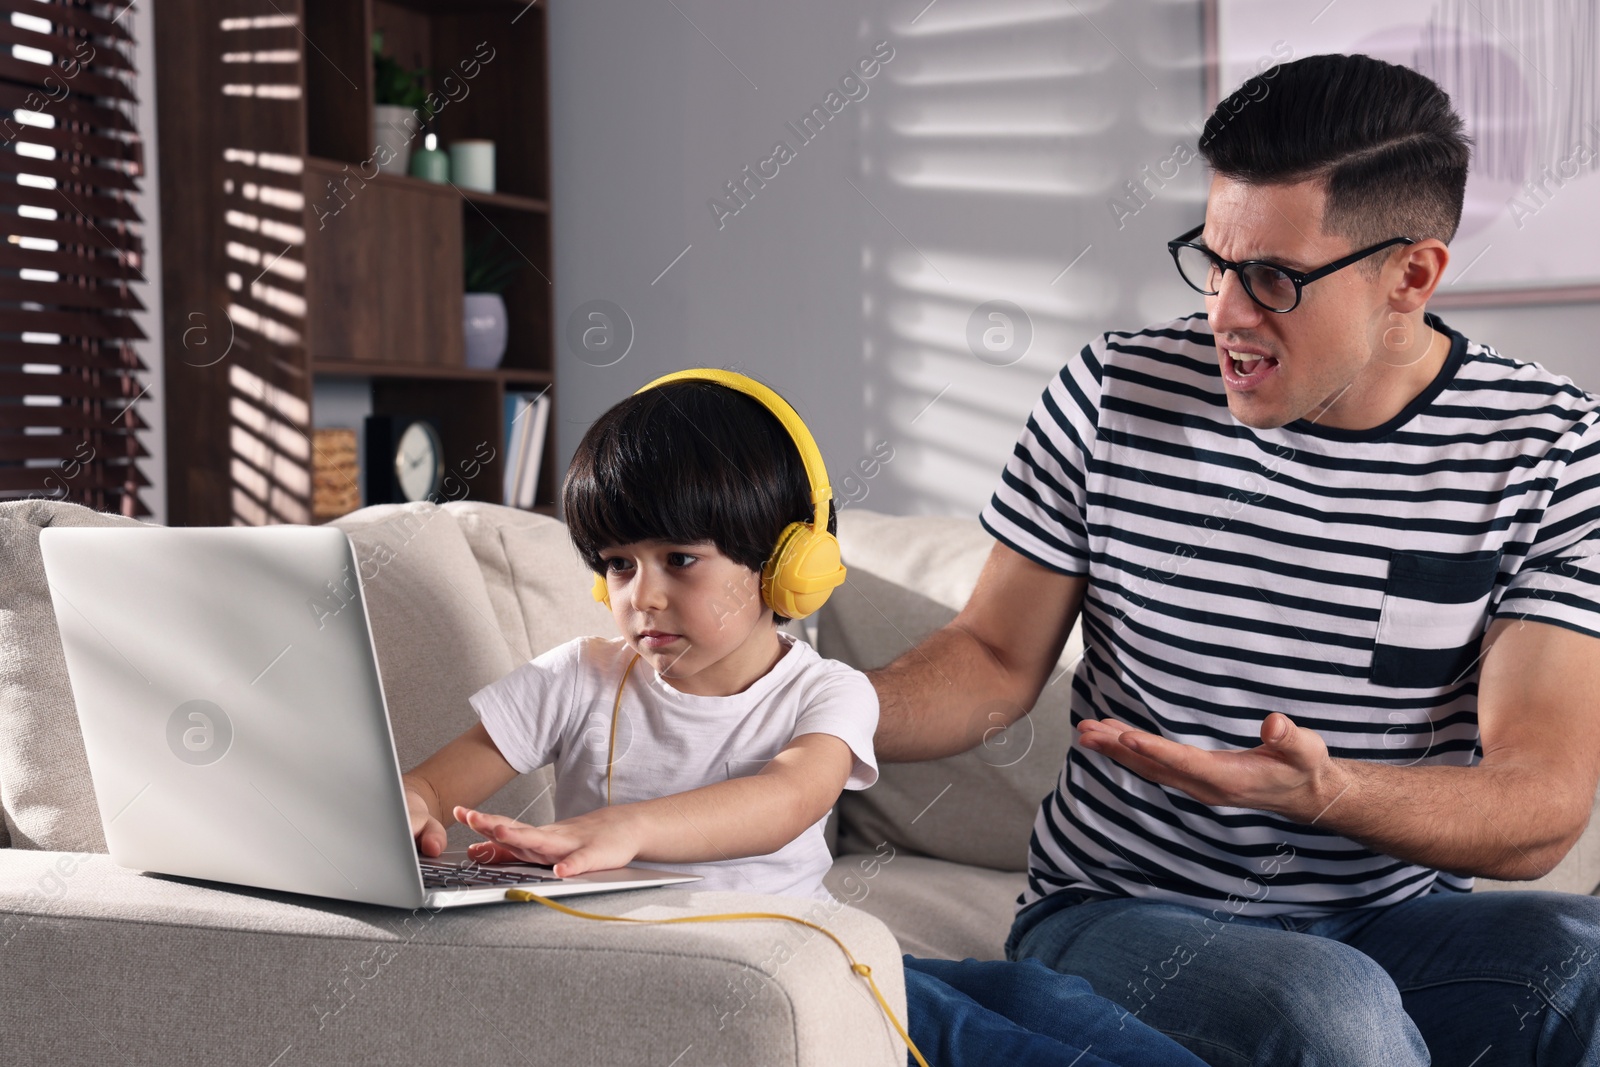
{"points": [[472, 163], [430, 164]]}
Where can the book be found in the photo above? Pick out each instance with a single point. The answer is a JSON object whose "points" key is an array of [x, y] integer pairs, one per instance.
{"points": [[537, 419], [527, 421], [517, 405]]}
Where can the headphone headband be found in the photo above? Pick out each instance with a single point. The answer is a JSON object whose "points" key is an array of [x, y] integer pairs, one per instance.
{"points": [[810, 454]]}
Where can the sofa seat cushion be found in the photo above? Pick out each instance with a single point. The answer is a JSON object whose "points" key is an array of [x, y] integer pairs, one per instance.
{"points": [[908, 577], [170, 972], [45, 792], [935, 908]]}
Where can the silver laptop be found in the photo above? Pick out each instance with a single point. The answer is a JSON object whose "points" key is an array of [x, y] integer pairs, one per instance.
{"points": [[235, 723]]}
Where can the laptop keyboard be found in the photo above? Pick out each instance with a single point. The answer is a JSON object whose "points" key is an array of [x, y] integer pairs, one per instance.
{"points": [[449, 876]]}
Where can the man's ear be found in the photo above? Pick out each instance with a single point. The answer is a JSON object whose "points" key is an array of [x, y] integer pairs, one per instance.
{"points": [[1421, 266]]}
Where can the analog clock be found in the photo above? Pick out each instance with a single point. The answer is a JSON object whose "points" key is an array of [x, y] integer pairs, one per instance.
{"points": [[418, 461]]}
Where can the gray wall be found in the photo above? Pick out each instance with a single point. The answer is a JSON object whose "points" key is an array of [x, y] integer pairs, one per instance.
{"points": [[986, 157], [1563, 337], [979, 164]]}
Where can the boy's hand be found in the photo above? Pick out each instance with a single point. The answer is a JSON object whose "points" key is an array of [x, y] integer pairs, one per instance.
{"points": [[427, 830], [599, 841]]}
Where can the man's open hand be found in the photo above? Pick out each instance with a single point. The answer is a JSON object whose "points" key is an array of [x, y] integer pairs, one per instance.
{"points": [[1290, 773], [599, 841]]}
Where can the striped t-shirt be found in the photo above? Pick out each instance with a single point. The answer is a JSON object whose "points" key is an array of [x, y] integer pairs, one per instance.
{"points": [[1343, 577]]}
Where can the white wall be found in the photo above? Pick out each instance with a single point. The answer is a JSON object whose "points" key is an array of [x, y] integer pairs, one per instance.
{"points": [[980, 164], [984, 159], [1564, 338]]}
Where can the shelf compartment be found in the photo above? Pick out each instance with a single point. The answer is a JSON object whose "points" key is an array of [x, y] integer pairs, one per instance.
{"points": [[468, 407], [485, 49], [468, 414], [528, 297], [339, 89]]}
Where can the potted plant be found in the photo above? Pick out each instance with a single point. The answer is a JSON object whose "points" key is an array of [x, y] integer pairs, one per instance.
{"points": [[488, 268], [401, 106]]}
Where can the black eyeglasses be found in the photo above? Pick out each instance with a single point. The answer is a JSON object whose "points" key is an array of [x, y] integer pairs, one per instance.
{"points": [[1271, 286]]}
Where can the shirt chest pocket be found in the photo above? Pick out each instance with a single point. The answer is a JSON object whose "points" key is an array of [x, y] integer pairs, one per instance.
{"points": [[1432, 620]]}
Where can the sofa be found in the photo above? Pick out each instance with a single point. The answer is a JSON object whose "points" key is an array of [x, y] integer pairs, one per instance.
{"points": [[103, 965]]}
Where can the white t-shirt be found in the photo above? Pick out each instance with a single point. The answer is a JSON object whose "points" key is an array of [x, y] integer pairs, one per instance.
{"points": [[557, 709]]}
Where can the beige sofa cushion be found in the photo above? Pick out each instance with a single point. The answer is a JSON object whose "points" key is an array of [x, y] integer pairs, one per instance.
{"points": [[537, 583], [45, 790], [907, 577], [438, 637]]}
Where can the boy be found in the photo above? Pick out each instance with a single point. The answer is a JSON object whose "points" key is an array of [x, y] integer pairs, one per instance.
{"points": [[702, 505]]}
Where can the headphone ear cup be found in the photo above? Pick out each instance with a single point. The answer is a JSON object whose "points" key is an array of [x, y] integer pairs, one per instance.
{"points": [[802, 572], [601, 591]]}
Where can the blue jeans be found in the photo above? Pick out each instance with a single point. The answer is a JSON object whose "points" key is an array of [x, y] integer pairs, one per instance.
{"points": [[1468, 979], [1023, 1015]]}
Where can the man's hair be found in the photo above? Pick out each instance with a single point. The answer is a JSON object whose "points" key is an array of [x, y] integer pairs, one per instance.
{"points": [[683, 462], [1383, 138]]}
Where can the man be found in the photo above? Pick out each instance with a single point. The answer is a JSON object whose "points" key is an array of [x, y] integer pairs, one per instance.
{"points": [[1339, 576]]}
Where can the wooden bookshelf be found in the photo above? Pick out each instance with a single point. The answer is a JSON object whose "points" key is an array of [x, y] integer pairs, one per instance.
{"points": [[319, 269]]}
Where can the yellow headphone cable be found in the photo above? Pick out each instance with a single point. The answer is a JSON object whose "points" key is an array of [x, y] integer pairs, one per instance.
{"points": [[611, 746], [858, 968]]}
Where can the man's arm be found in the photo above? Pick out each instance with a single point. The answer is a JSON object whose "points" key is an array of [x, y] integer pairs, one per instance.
{"points": [[750, 816], [985, 669], [1513, 816]]}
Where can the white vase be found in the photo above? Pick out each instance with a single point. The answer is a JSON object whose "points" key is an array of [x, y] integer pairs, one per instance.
{"points": [[486, 330], [393, 128]]}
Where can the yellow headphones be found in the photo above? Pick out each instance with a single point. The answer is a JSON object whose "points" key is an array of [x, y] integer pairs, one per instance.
{"points": [[804, 568]]}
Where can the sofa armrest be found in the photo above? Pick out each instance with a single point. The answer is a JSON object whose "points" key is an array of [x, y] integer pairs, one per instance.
{"points": [[105, 965]]}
